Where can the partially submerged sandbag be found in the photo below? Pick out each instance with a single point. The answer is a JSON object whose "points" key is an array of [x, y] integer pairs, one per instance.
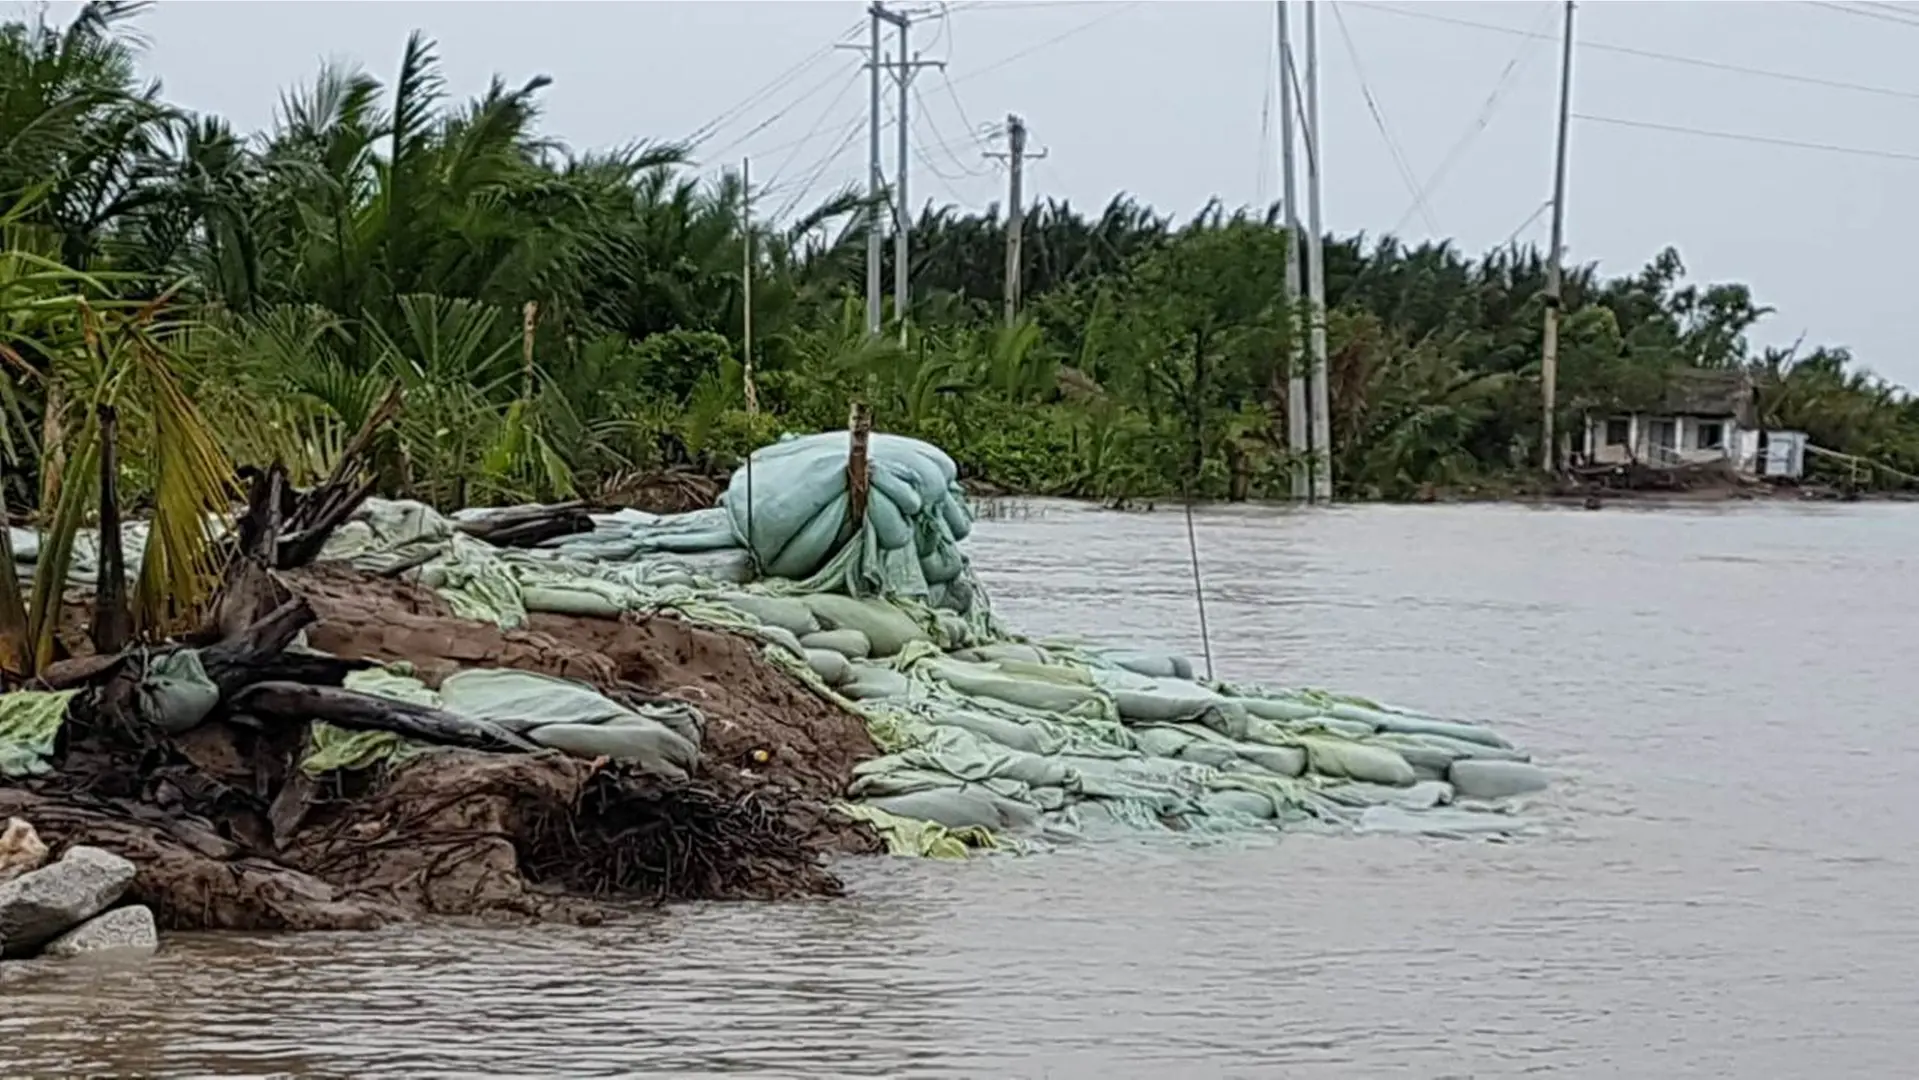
{"points": [[1476, 779], [1334, 756], [1152, 665]]}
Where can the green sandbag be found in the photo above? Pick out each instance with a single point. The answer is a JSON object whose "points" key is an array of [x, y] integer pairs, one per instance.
{"points": [[782, 638], [585, 602], [1211, 754], [788, 614], [1424, 795], [1280, 760], [830, 666], [1159, 741], [1044, 696], [887, 627], [994, 729], [1404, 724], [1495, 779], [1282, 709], [1153, 665], [955, 807], [174, 693], [655, 749], [1246, 804], [29, 723], [1460, 748], [869, 682], [1331, 756], [1429, 761], [850, 644], [1345, 729], [1000, 651], [809, 548]]}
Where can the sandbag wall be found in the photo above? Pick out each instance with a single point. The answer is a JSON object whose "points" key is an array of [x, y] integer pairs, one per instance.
{"points": [[985, 735]]}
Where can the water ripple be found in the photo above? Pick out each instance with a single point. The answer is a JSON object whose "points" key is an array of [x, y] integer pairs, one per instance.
{"points": [[1719, 887]]}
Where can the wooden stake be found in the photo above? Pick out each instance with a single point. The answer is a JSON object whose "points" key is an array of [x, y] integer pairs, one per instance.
{"points": [[112, 619], [859, 476]]}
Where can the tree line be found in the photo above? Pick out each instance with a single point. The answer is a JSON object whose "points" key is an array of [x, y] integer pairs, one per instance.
{"points": [[560, 322]]}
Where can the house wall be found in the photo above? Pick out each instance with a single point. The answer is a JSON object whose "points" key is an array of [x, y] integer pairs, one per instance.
{"points": [[1639, 444]]}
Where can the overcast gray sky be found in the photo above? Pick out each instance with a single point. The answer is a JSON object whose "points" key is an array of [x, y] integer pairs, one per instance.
{"points": [[1171, 100]]}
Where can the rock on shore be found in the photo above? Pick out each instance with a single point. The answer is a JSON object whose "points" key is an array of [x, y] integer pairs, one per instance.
{"points": [[62, 908]]}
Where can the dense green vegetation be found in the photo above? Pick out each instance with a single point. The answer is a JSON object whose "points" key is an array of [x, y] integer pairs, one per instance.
{"points": [[560, 320]]}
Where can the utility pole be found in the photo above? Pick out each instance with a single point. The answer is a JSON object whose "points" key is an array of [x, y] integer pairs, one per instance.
{"points": [[1296, 431], [1549, 350], [874, 182], [1016, 158], [1322, 423], [903, 70], [746, 285]]}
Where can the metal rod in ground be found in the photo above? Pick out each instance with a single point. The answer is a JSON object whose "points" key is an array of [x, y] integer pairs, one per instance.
{"points": [[1199, 589]]}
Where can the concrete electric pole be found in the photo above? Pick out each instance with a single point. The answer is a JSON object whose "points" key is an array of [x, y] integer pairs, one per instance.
{"points": [[1320, 396], [903, 69], [1016, 157], [1549, 348], [1297, 437]]}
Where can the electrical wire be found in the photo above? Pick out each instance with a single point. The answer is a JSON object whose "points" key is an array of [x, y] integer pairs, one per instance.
{"points": [[1113, 13], [973, 131], [782, 114], [777, 83], [1528, 223], [818, 126], [925, 113], [1649, 54], [1379, 119], [1763, 140], [1480, 122], [1898, 16], [806, 186]]}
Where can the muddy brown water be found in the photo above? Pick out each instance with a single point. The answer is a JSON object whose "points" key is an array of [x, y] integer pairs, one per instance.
{"points": [[1724, 883]]}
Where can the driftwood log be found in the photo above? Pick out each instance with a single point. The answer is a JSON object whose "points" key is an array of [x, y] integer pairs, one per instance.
{"points": [[296, 703]]}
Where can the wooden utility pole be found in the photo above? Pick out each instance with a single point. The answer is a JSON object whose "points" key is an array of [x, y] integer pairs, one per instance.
{"points": [[746, 285], [1549, 349], [1016, 156]]}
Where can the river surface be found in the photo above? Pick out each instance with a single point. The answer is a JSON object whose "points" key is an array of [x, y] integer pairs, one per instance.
{"points": [[1725, 883]]}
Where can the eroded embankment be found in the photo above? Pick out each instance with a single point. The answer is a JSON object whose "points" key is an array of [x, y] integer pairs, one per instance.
{"points": [[229, 832]]}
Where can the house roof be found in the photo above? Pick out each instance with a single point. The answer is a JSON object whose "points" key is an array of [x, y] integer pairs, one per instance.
{"points": [[1708, 392]]}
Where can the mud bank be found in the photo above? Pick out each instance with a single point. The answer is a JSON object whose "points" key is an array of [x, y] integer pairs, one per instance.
{"points": [[195, 761]]}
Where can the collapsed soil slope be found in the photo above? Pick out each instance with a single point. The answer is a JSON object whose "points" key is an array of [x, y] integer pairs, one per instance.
{"points": [[229, 833]]}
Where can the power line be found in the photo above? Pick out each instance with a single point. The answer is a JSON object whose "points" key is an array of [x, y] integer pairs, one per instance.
{"points": [[1649, 54], [1528, 223], [818, 126], [1379, 121], [1900, 16], [805, 188], [1764, 140], [778, 82], [926, 113], [1049, 42], [788, 109], [1480, 123]]}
